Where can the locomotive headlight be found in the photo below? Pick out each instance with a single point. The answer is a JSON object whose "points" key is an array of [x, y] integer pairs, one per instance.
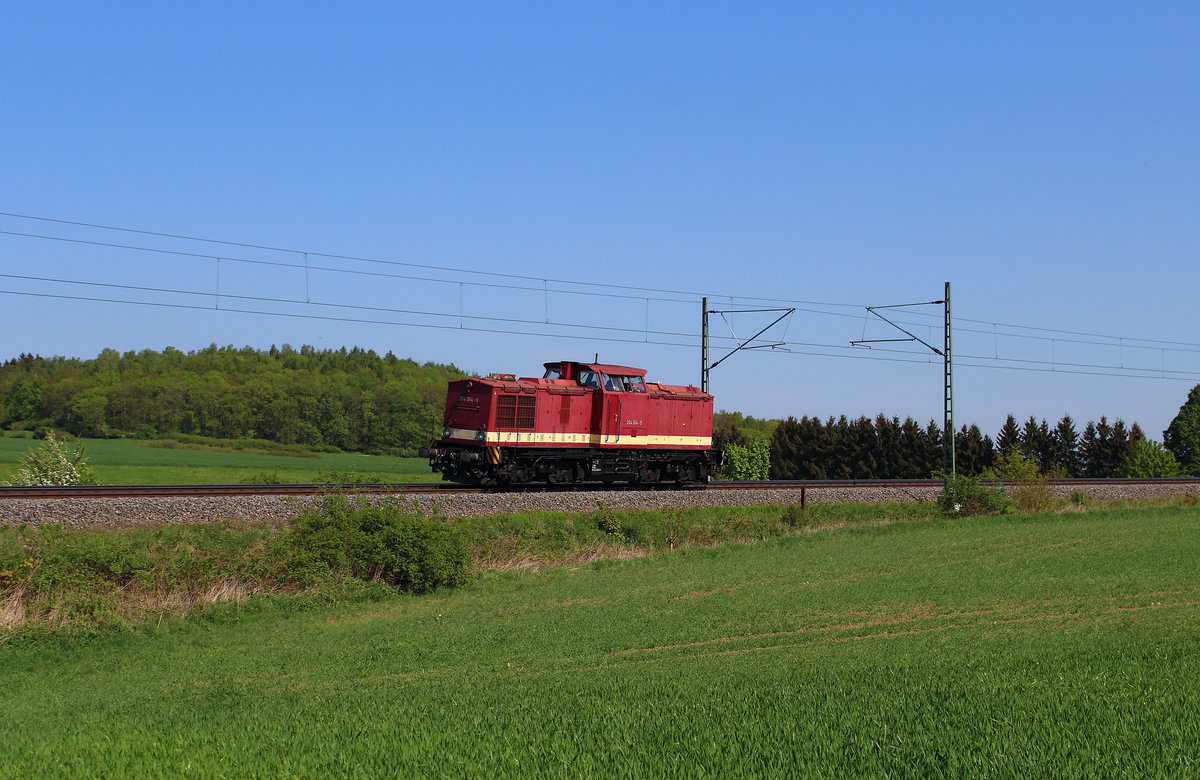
{"points": [[446, 433], [481, 436]]}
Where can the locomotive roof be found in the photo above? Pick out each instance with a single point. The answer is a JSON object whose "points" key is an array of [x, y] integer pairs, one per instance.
{"points": [[604, 368]]}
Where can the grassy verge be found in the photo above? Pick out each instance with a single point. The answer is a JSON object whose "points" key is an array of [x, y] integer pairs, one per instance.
{"points": [[57, 580], [1051, 644], [80, 582]]}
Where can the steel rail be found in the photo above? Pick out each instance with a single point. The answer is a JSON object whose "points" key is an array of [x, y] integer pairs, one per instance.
{"points": [[201, 491], [438, 488]]}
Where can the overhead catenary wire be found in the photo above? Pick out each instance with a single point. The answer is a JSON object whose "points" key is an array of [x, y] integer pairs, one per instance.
{"points": [[331, 269], [1127, 373], [579, 283], [460, 315], [541, 286], [362, 259], [1174, 346], [268, 299]]}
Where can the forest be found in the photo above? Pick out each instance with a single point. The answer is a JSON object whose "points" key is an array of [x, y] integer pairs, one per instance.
{"points": [[346, 399]]}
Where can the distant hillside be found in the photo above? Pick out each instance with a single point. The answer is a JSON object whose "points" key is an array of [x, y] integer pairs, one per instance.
{"points": [[351, 399]]}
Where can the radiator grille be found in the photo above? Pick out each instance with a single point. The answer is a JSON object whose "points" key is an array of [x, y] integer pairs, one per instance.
{"points": [[516, 411]]}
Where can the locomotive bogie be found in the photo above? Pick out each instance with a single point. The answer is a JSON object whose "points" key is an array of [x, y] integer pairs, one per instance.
{"points": [[579, 423]]}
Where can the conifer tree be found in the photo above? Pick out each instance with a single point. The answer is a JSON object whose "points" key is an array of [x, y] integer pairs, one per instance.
{"points": [[1009, 436], [1105, 445], [889, 459], [1118, 447], [784, 449], [914, 447], [1065, 446], [932, 448], [1089, 450], [1036, 444], [973, 451], [814, 441], [863, 450]]}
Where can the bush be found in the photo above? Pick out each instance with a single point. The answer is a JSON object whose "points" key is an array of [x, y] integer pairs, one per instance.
{"points": [[1032, 493], [261, 478], [963, 495], [629, 528], [1012, 465], [794, 516], [392, 543], [54, 463], [1034, 496], [752, 462], [1148, 460], [606, 519]]}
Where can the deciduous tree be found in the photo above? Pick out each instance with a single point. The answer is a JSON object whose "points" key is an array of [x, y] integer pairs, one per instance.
{"points": [[1149, 459], [1182, 436]]}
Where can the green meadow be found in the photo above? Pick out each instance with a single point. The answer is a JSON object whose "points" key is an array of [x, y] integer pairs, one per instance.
{"points": [[1051, 645], [135, 462]]}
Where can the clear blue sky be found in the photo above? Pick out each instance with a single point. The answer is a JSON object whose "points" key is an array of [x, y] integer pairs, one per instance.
{"points": [[1040, 156]]}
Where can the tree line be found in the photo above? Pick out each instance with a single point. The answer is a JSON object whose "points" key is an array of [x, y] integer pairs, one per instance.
{"points": [[349, 399], [358, 400], [888, 448]]}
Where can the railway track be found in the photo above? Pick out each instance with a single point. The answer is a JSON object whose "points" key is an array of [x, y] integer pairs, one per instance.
{"points": [[436, 488]]}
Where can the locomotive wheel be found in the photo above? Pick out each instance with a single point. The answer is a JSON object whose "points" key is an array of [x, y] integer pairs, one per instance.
{"points": [[650, 475]]}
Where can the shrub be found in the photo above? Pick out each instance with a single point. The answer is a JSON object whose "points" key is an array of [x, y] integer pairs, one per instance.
{"points": [[1034, 496], [606, 519], [963, 495], [261, 478], [751, 462], [392, 543], [54, 463], [1012, 465], [794, 516], [1149, 459], [1032, 492], [627, 529]]}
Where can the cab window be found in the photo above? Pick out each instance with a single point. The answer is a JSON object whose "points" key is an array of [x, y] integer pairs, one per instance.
{"points": [[589, 378], [551, 373], [633, 384], [612, 383]]}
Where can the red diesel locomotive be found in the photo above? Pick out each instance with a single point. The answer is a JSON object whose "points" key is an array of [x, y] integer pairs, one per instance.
{"points": [[580, 422]]}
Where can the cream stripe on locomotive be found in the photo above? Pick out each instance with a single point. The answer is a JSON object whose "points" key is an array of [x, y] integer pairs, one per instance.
{"points": [[628, 440]]}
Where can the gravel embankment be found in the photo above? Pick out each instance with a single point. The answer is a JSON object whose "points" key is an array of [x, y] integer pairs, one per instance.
{"points": [[128, 512]]}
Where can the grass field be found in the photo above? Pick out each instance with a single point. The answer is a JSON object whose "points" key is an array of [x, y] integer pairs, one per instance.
{"points": [[130, 462], [1061, 645]]}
